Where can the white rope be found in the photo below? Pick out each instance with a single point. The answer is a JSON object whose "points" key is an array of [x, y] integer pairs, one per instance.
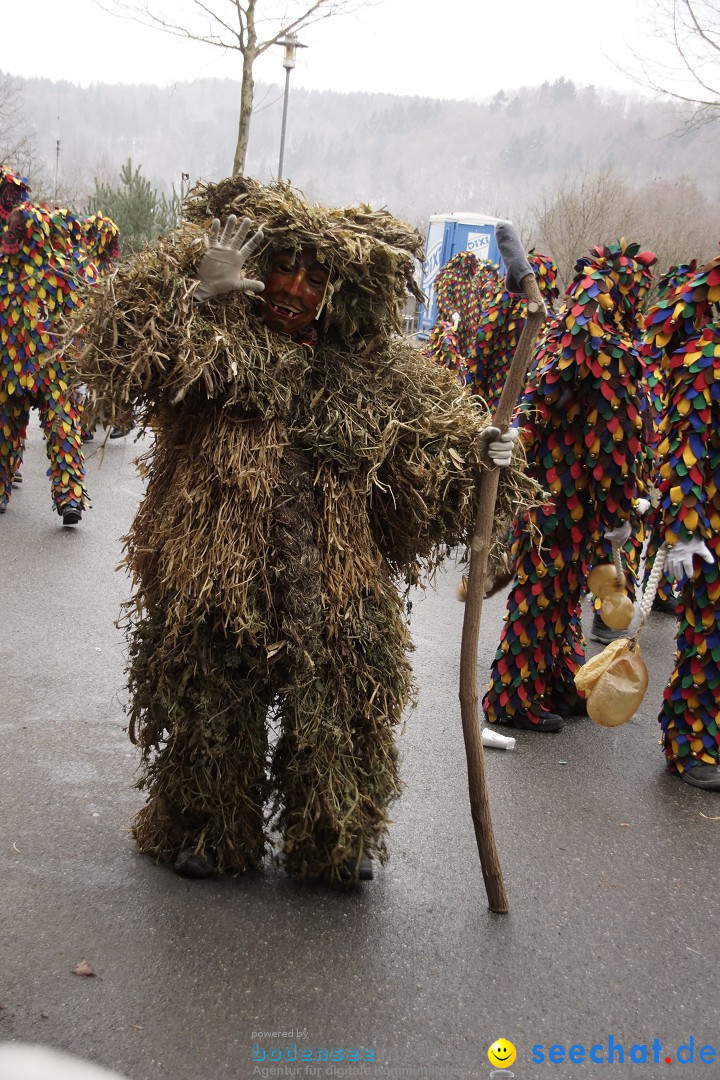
{"points": [[645, 606], [617, 559]]}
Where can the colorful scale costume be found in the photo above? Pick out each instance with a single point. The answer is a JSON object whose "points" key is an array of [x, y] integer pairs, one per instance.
{"points": [[13, 190], [102, 241], [671, 287], [689, 486], [500, 324], [290, 488], [458, 311], [582, 415], [37, 285]]}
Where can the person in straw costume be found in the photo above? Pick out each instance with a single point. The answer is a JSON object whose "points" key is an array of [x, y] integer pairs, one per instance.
{"points": [[308, 466]]}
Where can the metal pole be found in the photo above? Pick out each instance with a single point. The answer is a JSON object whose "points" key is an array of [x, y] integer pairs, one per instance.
{"points": [[57, 167], [284, 120]]}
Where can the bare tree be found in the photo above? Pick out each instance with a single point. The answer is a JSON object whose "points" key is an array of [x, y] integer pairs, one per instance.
{"points": [[248, 27], [669, 217], [15, 142], [580, 211], [689, 31]]}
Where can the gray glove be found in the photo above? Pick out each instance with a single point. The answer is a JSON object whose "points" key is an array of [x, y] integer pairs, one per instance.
{"points": [[499, 448], [221, 269], [513, 255], [619, 535]]}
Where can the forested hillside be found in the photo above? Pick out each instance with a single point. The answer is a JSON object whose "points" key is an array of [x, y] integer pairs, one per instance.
{"points": [[508, 156]]}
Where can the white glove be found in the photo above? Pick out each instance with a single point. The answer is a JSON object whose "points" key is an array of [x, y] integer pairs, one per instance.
{"points": [[619, 535], [500, 449], [642, 506], [679, 560], [221, 270]]}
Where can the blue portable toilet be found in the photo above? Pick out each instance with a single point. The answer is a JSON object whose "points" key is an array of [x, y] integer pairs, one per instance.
{"points": [[447, 235]]}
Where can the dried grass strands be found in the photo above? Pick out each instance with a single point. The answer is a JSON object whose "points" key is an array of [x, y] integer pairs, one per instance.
{"points": [[291, 496]]}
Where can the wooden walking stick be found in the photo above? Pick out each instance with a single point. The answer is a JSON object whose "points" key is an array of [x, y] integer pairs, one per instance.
{"points": [[518, 274]]}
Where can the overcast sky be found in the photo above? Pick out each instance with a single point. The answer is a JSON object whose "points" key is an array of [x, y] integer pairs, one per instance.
{"points": [[438, 48]]}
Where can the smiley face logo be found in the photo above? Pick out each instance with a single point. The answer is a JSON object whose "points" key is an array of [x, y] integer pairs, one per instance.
{"points": [[502, 1054]]}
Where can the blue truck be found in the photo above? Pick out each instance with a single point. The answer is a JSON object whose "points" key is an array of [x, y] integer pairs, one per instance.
{"points": [[447, 235]]}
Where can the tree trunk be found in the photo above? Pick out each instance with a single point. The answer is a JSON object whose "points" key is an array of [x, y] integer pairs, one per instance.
{"points": [[247, 89]]}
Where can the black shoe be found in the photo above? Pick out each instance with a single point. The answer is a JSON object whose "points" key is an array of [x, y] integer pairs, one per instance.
{"points": [[357, 869], [195, 864], [534, 721], [602, 633], [3, 505], [570, 704], [118, 433], [71, 515], [702, 775], [17, 478], [88, 437], [667, 607]]}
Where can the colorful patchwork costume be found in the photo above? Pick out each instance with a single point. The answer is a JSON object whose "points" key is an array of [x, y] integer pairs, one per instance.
{"points": [[37, 285], [688, 334], [582, 416], [458, 312], [501, 321], [670, 292]]}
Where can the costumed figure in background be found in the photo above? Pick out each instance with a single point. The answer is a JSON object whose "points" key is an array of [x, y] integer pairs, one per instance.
{"points": [[451, 339], [689, 485], [501, 320], [14, 189], [672, 290], [37, 287], [582, 423], [307, 462], [102, 241]]}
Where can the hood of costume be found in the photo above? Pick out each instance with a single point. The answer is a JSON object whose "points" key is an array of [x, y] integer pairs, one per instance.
{"points": [[13, 190], [101, 236], [37, 285]]}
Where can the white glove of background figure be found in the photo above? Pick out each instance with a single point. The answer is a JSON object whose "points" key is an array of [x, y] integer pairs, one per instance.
{"points": [[500, 450], [221, 270], [679, 560], [641, 506], [618, 536]]}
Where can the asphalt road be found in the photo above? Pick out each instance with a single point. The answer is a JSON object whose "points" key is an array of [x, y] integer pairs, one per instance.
{"points": [[610, 865]]}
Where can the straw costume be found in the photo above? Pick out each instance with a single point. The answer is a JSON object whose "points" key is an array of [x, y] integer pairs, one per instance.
{"points": [[37, 286], [689, 335], [581, 414], [292, 487]]}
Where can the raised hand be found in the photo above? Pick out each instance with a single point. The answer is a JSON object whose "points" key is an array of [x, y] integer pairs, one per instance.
{"points": [[222, 267], [679, 561]]}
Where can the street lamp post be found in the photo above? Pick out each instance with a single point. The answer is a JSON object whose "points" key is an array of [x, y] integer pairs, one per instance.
{"points": [[291, 43]]}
